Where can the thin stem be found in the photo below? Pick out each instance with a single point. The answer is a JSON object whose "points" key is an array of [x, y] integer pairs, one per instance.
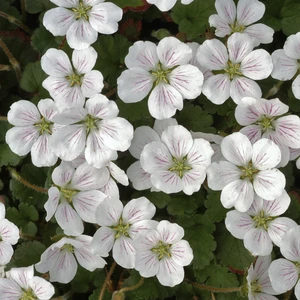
{"points": [[214, 289], [132, 287], [29, 237], [5, 67], [274, 90], [111, 270], [65, 296], [15, 21], [111, 92], [15, 64], [23, 9], [15, 175], [3, 118]]}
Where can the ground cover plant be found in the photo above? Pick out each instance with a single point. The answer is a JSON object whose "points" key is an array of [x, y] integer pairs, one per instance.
{"points": [[149, 149]]}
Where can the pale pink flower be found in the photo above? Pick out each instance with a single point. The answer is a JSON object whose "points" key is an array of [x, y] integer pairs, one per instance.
{"points": [[165, 5]]}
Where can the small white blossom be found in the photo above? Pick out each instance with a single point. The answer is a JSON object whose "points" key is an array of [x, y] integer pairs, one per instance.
{"points": [[81, 20], [164, 72], [249, 169], [69, 85], [163, 253], [284, 272], [59, 258], [260, 226], [235, 69], [286, 62], [32, 131], [266, 119], [258, 281], [95, 130], [74, 196], [177, 162], [120, 226], [165, 5], [232, 19], [21, 284]]}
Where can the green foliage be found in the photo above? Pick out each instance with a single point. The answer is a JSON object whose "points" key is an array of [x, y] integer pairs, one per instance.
{"points": [[36, 6], [290, 17], [111, 53], [128, 3], [215, 209], [28, 253], [193, 19], [24, 217]]}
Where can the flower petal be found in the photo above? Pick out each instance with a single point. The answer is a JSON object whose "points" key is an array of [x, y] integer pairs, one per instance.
{"points": [[182, 253], [237, 149], [222, 27], [100, 107], [249, 11], [258, 242], [84, 60], [142, 55], [124, 252], [296, 87], [139, 178], [52, 202], [22, 276], [239, 46], [226, 9], [104, 17], [81, 34], [212, 54], [290, 246], [253, 133], [187, 80], [217, 88], [172, 52], [170, 233], [278, 206], [164, 100], [266, 154], [160, 125], [92, 83], [10, 290], [292, 46], [163, 5], [166, 181], [103, 241], [68, 219], [56, 63], [269, 184], [6, 253], [239, 194], [262, 33], [109, 212], [58, 20], [43, 289]]}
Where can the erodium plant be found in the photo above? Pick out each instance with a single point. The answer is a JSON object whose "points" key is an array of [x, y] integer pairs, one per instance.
{"points": [[149, 149]]}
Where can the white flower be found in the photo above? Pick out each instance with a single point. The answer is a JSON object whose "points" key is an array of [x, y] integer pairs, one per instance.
{"points": [[22, 284], [284, 273], [232, 19], [165, 5], [235, 70], [258, 281], [74, 196], [59, 258], [144, 135], [286, 62], [163, 253], [32, 131], [177, 162], [264, 119], [95, 130], [295, 154], [69, 85], [249, 169], [9, 235], [120, 227], [260, 225], [164, 72], [81, 20]]}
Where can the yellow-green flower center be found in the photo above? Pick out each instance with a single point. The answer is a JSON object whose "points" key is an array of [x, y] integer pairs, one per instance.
{"points": [[233, 70], [81, 11], [68, 194], [236, 27], [121, 229], [262, 220], [67, 247], [90, 123], [161, 74], [255, 287], [266, 123], [248, 172], [180, 166], [74, 79], [44, 126], [162, 250], [28, 295]]}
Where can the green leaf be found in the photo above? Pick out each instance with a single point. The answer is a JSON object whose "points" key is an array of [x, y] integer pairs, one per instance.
{"points": [[231, 251], [195, 119], [130, 3], [193, 19], [290, 17], [215, 209], [7, 8], [111, 53], [198, 232], [179, 205], [28, 253], [28, 211], [83, 278], [271, 16], [42, 40], [7, 157], [159, 199], [32, 78], [36, 6]]}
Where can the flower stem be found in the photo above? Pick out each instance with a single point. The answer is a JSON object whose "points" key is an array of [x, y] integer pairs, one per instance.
{"points": [[274, 90], [214, 289], [111, 92], [15, 64], [15, 175], [25, 236], [132, 287], [15, 21], [111, 270], [5, 68], [3, 118]]}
